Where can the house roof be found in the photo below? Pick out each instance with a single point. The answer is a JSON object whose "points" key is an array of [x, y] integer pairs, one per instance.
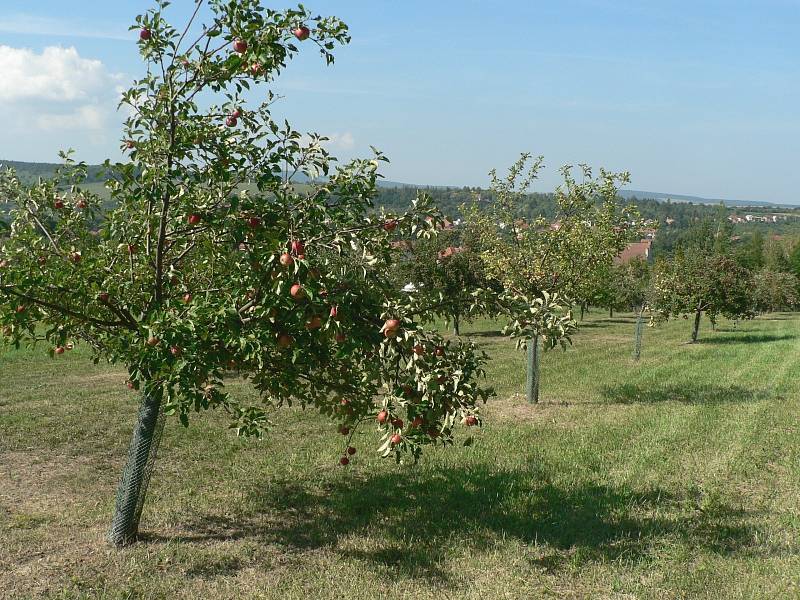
{"points": [[634, 250]]}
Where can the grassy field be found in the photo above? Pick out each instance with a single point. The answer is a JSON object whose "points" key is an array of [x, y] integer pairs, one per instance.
{"points": [[674, 477]]}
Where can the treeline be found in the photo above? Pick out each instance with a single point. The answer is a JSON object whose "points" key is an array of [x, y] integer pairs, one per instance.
{"points": [[673, 220]]}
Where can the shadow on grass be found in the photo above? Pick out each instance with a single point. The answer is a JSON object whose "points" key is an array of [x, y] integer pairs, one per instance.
{"points": [[487, 333], [633, 393], [411, 521], [748, 338]]}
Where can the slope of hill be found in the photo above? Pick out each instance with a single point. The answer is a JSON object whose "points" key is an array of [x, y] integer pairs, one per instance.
{"points": [[662, 197], [29, 172]]}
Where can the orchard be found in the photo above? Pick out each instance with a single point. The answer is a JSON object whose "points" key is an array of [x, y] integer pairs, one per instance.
{"points": [[211, 262]]}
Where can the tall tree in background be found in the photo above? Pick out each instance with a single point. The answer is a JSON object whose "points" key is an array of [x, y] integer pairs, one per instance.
{"points": [[211, 261]]}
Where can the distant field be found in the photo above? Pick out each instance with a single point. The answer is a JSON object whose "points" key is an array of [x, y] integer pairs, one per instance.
{"points": [[674, 477]]}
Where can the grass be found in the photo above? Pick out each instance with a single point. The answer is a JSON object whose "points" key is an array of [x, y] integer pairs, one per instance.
{"points": [[677, 476]]}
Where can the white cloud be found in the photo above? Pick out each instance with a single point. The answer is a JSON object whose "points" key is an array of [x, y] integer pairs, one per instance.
{"points": [[89, 116], [342, 141], [56, 89], [58, 74]]}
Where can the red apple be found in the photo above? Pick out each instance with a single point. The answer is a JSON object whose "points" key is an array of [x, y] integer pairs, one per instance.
{"points": [[145, 34], [391, 328], [231, 121], [21, 309], [302, 33], [390, 225], [297, 291], [175, 350], [131, 248], [187, 298], [236, 113], [81, 203], [130, 384], [340, 337], [407, 390], [396, 439], [344, 430], [4, 263], [240, 46], [59, 350], [416, 422], [397, 423], [194, 219], [42, 260], [344, 461], [471, 420], [433, 433], [130, 144], [153, 341], [419, 349], [286, 259], [439, 351], [75, 257], [253, 222], [256, 69], [58, 203], [285, 340], [103, 297], [298, 247], [315, 322], [382, 417], [351, 450]]}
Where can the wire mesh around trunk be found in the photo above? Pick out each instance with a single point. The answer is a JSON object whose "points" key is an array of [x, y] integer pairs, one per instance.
{"points": [[136, 473]]}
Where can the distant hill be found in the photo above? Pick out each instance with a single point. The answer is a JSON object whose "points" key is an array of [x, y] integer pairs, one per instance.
{"points": [[29, 172], [696, 199]]}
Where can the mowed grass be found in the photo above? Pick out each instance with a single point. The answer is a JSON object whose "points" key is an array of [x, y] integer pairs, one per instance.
{"points": [[677, 476]]}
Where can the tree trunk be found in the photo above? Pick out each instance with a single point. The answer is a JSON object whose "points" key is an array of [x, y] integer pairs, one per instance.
{"points": [[532, 387], [610, 313], [137, 471], [455, 325], [583, 310], [696, 325]]}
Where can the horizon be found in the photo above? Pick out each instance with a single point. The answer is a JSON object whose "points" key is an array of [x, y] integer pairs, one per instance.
{"points": [[691, 100]]}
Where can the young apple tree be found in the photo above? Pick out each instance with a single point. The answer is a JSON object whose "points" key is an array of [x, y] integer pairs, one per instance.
{"points": [[211, 262], [774, 290], [693, 282], [447, 269], [543, 265]]}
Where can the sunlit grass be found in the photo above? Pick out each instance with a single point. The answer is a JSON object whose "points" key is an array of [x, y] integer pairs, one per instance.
{"points": [[675, 476]]}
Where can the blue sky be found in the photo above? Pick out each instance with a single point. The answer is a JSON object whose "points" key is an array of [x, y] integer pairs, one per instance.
{"points": [[690, 97]]}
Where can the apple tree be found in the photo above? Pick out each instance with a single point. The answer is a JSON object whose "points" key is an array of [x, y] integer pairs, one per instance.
{"points": [[693, 282], [774, 290], [543, 265], [447, 269], [209, 262]]}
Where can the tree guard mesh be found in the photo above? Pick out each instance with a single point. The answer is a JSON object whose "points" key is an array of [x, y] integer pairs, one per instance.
{"points": [[637, 343], [532, 387], [136, 474]]}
